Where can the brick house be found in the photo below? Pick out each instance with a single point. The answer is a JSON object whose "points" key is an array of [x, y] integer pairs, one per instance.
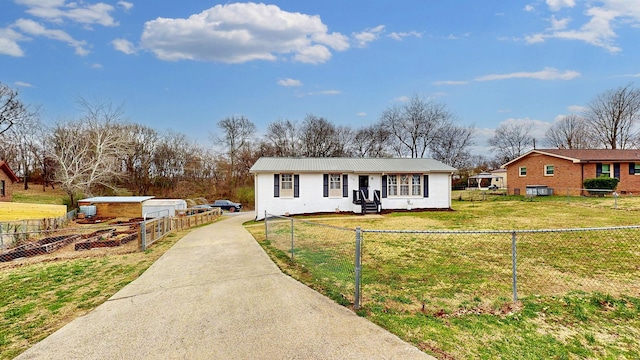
{"points": [[564, 170], [7, 177]]}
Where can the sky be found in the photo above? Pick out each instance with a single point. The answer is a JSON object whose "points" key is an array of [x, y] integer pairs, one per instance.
{"points": [[184, 65]]}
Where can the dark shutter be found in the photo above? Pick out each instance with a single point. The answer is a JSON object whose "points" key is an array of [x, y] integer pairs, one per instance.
{"points": [[276, 185], [345, 185], [616, 171], [598, 169], [425, 180], [384, 186], [632, 168], [296, 186], [325, 185]]}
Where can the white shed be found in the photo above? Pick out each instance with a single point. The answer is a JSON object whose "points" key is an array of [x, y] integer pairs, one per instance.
{"points": [[162, 207]]}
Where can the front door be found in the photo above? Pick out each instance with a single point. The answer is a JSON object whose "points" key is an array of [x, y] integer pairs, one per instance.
{"points": [[363, 185]]}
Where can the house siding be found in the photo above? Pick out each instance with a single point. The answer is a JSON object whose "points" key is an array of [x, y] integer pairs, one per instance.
{"points": [[311, 199], [8, 188], [568, 176]]}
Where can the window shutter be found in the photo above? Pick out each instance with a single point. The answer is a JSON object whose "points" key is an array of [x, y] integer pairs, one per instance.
{"points": [[296, 186], [598, 169], [632, 168], [425, 184], [276, 185], [384, 186], [325, 185], [345, 185], [616, 171]]}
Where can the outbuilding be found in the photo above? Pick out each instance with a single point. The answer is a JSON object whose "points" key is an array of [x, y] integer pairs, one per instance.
{"points": [[7, 178], [285, 185], [116, 206]]}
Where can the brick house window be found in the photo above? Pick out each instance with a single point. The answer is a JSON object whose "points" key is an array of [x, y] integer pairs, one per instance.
{"points": [[522, 171], [549, 170]]}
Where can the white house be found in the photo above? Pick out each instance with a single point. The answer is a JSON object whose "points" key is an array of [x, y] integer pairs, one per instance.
{"points": [[360, 185]]}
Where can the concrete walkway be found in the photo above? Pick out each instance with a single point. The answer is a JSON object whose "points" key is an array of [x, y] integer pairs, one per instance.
{"points": [[216, 295]]}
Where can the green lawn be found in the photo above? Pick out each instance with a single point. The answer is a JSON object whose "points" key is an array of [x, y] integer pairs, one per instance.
{"points": [[451, 294]]}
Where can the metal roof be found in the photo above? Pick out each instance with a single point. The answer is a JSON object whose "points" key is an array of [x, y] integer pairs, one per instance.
{"points": [[117, 199], [348, 165]]}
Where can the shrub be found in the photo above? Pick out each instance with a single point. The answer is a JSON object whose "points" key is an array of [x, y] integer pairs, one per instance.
{"points": [[600, 183]]}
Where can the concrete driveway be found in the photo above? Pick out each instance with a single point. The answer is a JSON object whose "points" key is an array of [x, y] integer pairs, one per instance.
{"points": [[216, 295]]}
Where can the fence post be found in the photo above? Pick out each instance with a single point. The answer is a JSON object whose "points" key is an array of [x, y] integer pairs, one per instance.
{"points": [[358, 265], [266, 226], [1, 238], [514, 266], [143, 235], [292, 244]]}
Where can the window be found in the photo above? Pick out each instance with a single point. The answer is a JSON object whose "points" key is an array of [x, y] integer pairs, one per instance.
{"points": [[392, 182], [2, 189], [549, 170], [335, 185], [523, 171], [416, 188], [286, 185], [404, 185], [636, 168], [606, 170]]}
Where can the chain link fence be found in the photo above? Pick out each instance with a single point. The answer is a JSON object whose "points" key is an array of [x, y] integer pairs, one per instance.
{"points": [[323, 255], [31, 239], [435, 271]]}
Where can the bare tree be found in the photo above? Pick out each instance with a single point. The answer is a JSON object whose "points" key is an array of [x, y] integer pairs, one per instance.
{"points": [[320, 138], [570, 132], [372, 141], [137, 161], [414, 125], [237, 133], [282, 136], [12, 110], [510, 140], [613, 117], [451, 145], [87, 151], [27, 139]]}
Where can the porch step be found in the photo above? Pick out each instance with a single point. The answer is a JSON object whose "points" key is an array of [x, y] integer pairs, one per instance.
{"points": [[370, 207]]}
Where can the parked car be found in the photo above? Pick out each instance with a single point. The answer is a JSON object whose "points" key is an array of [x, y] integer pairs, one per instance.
{"points": [[227, 205]]}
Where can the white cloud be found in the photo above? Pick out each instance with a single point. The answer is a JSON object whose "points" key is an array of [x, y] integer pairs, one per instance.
{"points": [[556, 5], [450, 82], [96, 66], [529, 8], [241, 32], [402, 99], [368, 35], [125, 5], [577, 109], [545, 74], [9, 42], [361, 114], [36, 29], [58, 11], [23, 84], [558, 24], [401, 35], [124, 46], [289, 82], [599, 30]]}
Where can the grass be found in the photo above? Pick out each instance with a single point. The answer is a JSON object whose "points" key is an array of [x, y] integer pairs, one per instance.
{"points": [[36, 299], [451, 295], [14, 211]]}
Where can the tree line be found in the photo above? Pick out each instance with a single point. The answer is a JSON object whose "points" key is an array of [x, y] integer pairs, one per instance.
{"points": [[101, 153], [611, 120]]}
